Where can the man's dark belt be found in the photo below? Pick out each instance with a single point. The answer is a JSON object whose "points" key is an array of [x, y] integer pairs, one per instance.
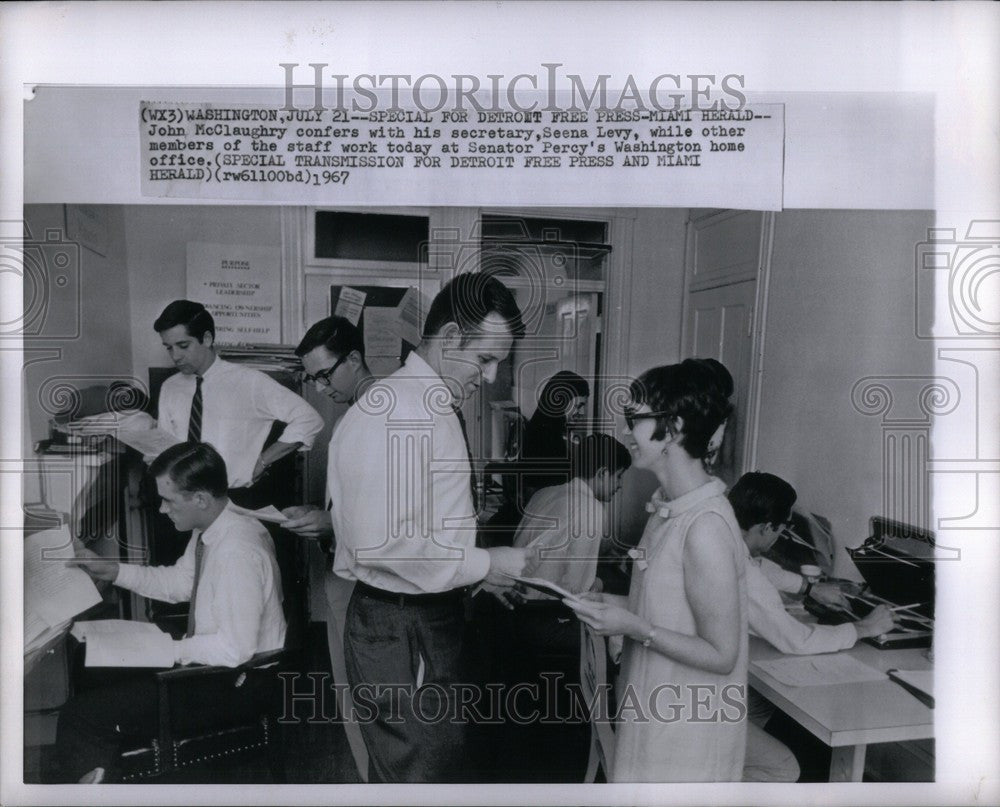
{"points": [[435, 598]]}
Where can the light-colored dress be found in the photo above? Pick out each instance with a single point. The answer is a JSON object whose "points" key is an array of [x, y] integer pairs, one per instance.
{"points": [[679, 723]]}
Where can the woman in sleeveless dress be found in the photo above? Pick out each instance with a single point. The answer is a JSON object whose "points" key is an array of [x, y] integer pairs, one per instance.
{"points": [[681, 693]]}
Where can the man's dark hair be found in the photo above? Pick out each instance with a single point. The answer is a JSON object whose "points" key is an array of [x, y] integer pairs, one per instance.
{"points": [[336, 334], [559, 390], [467, 300], [596, 451], [193, 467], [759, 498], [696, 391], [193, 316]]}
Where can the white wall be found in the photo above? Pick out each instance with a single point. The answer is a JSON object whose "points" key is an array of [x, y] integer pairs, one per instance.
{"points": [[99, 314], [841, 308], [156, 239]]}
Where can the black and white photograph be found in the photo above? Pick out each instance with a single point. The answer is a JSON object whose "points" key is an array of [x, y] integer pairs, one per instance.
{"points": [[556, 429]]}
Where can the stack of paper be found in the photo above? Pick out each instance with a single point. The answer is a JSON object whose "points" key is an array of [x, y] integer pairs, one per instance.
{"points": [[53, 592], [122, 643]]}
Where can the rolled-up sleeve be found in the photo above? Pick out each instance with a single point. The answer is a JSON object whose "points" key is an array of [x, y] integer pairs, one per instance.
{"points": [[275, 402], [769, 620]]}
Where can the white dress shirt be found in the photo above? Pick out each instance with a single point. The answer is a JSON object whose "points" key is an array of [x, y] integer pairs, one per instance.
{"points": [[566, 523], [398, 482], [239, 406], [238, 608], [769, 620]]}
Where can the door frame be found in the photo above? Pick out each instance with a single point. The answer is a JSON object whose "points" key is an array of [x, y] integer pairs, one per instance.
{"points": [[758, 315]]}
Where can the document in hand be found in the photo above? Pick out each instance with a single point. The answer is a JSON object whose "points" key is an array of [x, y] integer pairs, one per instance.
{"points": [[121, 643], [148, 442], [544, 586], [269, 513], [53, 592]]}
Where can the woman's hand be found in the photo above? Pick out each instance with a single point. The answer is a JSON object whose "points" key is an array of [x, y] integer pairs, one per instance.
{"points": [[606, 615]]}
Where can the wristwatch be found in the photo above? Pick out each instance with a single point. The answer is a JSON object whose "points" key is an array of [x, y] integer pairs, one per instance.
{"points": [[808, 588]]}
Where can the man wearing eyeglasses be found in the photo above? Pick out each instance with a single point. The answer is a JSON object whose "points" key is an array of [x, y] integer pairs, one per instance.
{"points": [[763, 504], [228, 405]]}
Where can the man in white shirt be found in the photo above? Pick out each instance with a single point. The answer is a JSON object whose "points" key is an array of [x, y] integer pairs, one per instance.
{"points": [[229, 574], [228, 405], [763, 504], [402, 509]]}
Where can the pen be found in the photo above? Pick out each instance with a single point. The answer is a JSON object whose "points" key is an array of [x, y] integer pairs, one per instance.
{"points": [[909, 607]]}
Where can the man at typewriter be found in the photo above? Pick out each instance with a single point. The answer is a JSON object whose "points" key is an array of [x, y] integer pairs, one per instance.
{"points": [[763, 504]]}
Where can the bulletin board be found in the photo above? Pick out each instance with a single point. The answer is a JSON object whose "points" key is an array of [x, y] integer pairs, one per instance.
{"points": [[388, 338]]}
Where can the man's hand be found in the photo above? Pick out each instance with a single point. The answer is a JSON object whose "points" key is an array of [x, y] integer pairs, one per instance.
{"points": [[509, 560], [879, 621], [97, 567], [309, 522], [829, 594]]}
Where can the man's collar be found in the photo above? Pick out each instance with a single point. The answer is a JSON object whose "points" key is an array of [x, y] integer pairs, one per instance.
{"points": [[417, 366], [214, 530]]}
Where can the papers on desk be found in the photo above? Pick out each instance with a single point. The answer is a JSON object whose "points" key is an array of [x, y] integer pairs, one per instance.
{"points": [[121, 643], [919, 683], [269, 513], [825, 670], [53, 592]]}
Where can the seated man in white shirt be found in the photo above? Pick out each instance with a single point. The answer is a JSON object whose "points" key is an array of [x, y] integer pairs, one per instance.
{"points": [[229, 574], [763, 504], [231, 406], [568, 523]]}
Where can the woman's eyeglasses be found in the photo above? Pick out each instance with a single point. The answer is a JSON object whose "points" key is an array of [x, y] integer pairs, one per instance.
{"points": [[631, 416], [323, 376]]}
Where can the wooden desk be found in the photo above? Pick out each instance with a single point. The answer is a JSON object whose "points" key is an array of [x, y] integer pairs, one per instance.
{"points": [[848, 717]]}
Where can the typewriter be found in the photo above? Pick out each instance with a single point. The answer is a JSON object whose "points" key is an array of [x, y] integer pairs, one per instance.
{"points": [[897, 563]]}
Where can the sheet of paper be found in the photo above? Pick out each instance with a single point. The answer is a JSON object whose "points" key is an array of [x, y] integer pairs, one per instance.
{"points": [[53, 591], [82, 631], [409, 316], [269, 513], [381, 332], [148, 442], [350, 304], [130, 649], [544, 586], [922, 680], [824, 670]]}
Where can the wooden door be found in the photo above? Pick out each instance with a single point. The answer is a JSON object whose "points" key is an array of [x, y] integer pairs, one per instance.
{"points": [[719, 326]]}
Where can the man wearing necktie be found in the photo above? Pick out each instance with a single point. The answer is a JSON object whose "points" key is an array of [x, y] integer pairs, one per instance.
{"points": [[230, 575], [231, 406], [402, 511]]}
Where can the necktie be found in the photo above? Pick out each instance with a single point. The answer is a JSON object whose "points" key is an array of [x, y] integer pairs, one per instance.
{"points": [[199, 555], [472, 467], [194, 422]]}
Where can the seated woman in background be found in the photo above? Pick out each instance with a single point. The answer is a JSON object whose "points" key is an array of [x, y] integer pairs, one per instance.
{"points": [[545, 446], [682, 688]]}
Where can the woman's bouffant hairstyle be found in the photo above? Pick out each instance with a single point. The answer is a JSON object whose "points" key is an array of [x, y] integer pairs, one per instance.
{"points": [[559, 390], [697, 391]]}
